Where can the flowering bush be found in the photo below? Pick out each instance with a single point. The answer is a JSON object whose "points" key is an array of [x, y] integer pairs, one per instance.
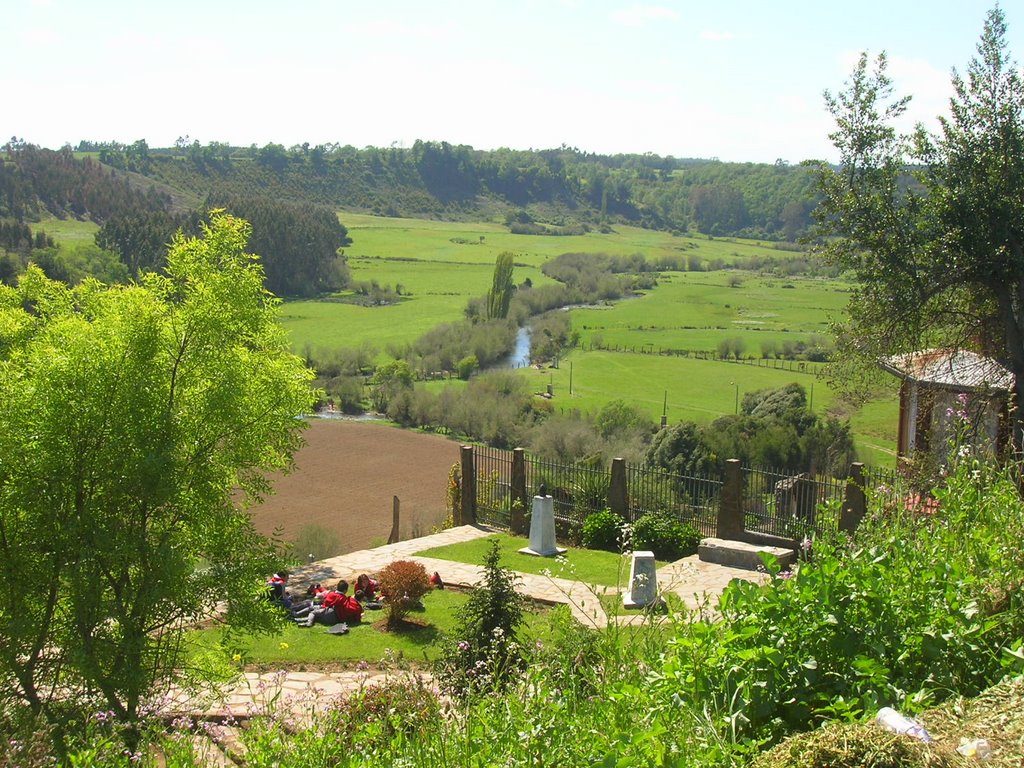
{"points": [[485, 651], [402, 584]]}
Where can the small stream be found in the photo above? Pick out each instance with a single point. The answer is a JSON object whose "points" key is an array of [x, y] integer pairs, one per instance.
{"points": [[520, 357]]}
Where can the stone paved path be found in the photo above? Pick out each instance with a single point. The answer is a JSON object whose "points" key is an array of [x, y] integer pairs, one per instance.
{"points": [[697, 584]]}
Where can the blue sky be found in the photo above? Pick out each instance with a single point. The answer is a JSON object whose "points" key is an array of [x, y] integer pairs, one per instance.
{"points": [[738, 80]]}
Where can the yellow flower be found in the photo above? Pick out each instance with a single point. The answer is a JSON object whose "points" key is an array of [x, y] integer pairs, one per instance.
{"points": [[284, 646], [237, 658]]}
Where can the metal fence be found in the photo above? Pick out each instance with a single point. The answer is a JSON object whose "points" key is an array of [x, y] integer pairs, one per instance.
{"points": [[774, 502], [578, 490], [691, 500], [493, 485], [781, 503]]}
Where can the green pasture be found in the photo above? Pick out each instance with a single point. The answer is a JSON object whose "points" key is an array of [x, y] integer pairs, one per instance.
{"points": [[703, 390], [70, 232], [697, 390], [435, 240], [697, 310]]}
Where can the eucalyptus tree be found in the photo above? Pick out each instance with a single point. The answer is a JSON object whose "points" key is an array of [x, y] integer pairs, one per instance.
{"points": [[138, 421]]}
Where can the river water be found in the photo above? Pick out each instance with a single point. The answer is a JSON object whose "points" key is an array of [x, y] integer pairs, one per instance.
{"points": [[520, 357]]}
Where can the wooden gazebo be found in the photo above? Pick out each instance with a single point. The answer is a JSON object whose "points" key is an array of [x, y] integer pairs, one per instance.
{"points": [[941, 387]]}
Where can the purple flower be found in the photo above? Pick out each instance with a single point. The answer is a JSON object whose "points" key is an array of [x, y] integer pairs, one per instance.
{"points": [[785, 575], [463, 646], [805, 545]]}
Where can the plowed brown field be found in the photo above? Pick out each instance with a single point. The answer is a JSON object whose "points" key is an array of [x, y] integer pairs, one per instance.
{"points": [[346, 475]]}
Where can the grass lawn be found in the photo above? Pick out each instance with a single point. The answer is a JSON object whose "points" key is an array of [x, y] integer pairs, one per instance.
{"points": [[590, 566], [300, 646]]}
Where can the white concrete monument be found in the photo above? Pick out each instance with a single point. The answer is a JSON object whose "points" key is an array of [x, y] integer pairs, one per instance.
{"points": [[643, 582], [542, 529]]}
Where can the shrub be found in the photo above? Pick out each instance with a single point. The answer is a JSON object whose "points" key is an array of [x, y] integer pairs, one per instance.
{"points": [[402, 584], [913, 608], [666, 537], [377, 713], [484, 651], [602, 530], [318, 541]]}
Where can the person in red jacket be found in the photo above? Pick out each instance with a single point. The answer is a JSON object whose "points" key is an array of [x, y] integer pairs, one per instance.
{"points": [[337, 607]]}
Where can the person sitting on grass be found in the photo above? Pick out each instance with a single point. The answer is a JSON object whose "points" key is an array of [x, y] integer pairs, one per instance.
{"points": [[337, 607], [277, 591], [366, 589]]}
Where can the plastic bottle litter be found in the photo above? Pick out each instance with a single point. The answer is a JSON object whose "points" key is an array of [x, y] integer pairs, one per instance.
{"points": [[976, 748], [894, 721]]}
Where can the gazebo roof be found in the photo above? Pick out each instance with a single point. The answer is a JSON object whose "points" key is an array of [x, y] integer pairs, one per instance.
{"points": [[956, 369]]}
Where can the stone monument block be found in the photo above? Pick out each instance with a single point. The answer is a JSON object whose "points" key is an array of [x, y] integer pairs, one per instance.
{"points": [[542, 529]]}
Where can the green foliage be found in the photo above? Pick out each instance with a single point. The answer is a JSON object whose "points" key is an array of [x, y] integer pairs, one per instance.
{"points": [[775, 429], [938, 257], [316, 542], [603, 530], [913, 608], [664, 535], [141, 238], [298, 242], [499, 298], [140, 417], [467, 367], [388, 381], [403, 584], [34, 181]]}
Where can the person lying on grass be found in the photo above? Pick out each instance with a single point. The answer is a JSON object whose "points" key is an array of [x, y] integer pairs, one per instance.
{"points": [[366, 592], [337, 607]]}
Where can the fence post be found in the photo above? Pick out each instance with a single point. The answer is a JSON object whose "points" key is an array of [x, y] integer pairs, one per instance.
{"points": [[854, 504], [395, 536], [617, 488], [518, 489], [730, 506], [467, 514]]}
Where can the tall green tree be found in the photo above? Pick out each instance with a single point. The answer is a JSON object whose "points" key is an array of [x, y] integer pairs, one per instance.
{"points": [[939, 253], [137, 423], [499, 298]]}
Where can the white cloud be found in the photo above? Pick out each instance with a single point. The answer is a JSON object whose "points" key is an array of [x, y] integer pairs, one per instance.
{"points": [[642, 15]]}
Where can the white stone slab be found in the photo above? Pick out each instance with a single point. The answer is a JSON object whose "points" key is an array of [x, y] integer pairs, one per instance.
{"points": [[643, 582]]}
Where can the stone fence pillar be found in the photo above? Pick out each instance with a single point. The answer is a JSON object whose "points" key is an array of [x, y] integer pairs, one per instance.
{"points": [[518, 496], [730, 505], [617, 491], [854, 503]]}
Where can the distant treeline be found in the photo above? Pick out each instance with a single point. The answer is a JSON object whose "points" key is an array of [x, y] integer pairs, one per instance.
{"points": [[563, 188], [35, 182]]}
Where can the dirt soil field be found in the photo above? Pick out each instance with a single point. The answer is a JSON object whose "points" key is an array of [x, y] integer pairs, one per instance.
{"points": [[346, 475]]}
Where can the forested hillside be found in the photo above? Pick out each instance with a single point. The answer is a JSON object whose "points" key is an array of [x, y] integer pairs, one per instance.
{"points": [[556, 187], [142, 196], [300, 242]]}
